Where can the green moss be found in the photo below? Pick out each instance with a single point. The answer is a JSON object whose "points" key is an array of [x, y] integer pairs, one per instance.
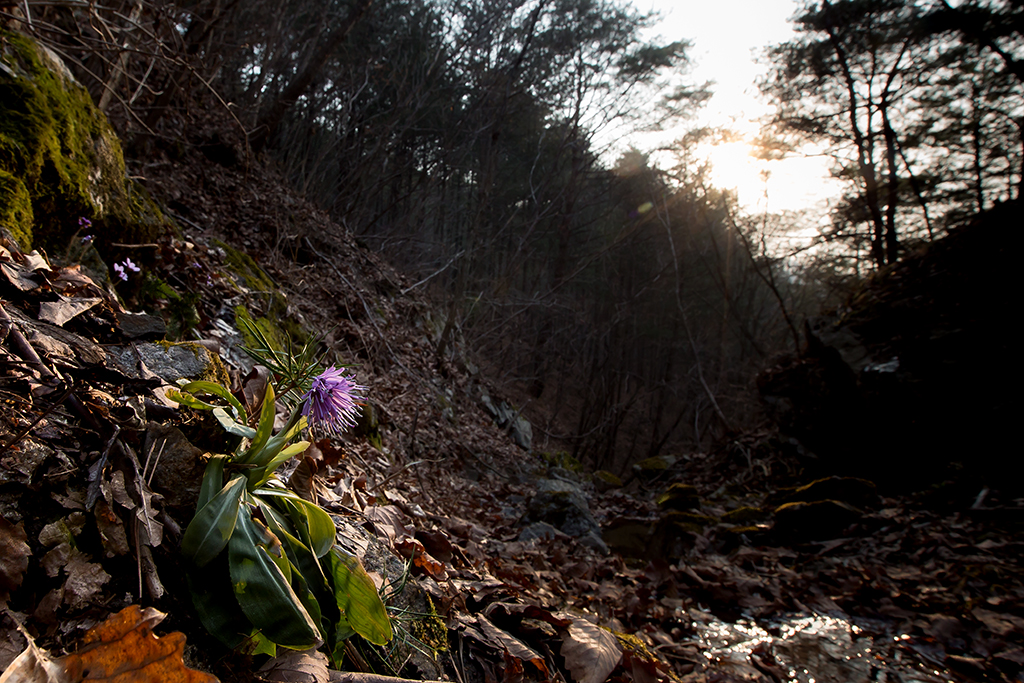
{"points": [[744, 515], [368, 425], [655, 465], [245, 267], [58, 149], [276, 317], [15, 209], [561, 459], [679, 497], [274, 334], [689, 517], [430, 629], [636, 647], [608, 478]]}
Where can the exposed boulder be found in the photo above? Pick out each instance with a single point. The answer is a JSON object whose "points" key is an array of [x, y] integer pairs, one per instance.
{"points": [[679, 497], [563, 505], [171, 362], [819, 520], [509, 419], [59, 158], [850, 490]]}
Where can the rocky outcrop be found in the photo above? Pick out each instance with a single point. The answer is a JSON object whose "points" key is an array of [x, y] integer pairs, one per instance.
{"points": [[910, 381], [60, 160]]}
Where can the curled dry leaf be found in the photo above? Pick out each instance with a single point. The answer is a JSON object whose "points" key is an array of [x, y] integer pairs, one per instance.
{"points": [[122, 648], [307, 666], [591, 653], [511, 645]]}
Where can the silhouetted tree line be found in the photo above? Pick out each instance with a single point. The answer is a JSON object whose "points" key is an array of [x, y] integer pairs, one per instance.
{"points": [[461, 139]]}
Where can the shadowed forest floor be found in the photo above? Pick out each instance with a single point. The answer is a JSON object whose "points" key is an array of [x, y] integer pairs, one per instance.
{"points": [[741, 576]]}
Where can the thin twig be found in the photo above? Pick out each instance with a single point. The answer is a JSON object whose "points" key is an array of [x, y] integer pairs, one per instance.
{"points": [[435, 273], [359, 677], [29, 428]]}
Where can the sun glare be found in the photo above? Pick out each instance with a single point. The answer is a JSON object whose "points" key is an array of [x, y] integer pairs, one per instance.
{"points": [[787, 185], [733, 168]]}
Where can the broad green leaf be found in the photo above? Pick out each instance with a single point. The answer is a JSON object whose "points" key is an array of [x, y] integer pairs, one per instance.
{"points": [[216, 605], [215, 389], [265, 473], [258, 644], [231, 426], [264, 428], [213, 480], [263, 592], [304, 562], [316, 528], [357, 598], [306, 596], [213, 525]]}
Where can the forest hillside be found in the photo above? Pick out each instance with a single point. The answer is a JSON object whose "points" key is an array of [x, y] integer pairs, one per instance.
{"points": [[582, 423]]}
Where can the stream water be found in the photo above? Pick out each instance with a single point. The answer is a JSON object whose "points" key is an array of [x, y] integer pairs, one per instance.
{"points": [[814, 649]]}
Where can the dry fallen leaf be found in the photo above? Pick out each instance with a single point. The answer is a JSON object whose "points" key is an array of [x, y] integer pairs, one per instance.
{"points": [[122, 648], [510, 644], [14, 552], [60, 311], [308, 666], [591, 653]]}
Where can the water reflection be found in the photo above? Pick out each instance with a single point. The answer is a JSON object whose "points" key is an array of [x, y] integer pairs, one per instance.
{"points": [[811, 649]]}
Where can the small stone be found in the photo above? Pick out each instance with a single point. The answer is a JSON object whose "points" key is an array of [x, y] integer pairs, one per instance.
{"points": [[141, 325]]}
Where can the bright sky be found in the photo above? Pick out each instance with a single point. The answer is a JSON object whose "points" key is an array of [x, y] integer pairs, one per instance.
{"points": [[727, 36]]}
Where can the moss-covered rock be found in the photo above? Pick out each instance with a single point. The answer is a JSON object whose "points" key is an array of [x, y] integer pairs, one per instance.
{"points": [[653, 467], [679, 497], [744, 515], [691, 521], [814, 521], [851, 490], [60, 159], [605, 481], [273, 318], [174, 361], [561, 459]]}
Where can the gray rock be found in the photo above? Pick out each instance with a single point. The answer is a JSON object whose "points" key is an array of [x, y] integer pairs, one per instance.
{"points": [[170, 362], [594, 542], [563, 505], [140, 325], [509, 419], [539, 531], [177, 468]]}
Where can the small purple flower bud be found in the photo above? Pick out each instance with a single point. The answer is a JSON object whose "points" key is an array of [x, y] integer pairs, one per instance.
{"points": [[119, 269], [87, 239], [84, 222], [131, 266]]}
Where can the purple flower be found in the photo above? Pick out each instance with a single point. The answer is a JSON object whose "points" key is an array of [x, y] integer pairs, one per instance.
{"points": [[131, 266], [330, 405], [84, 222], [87, 239], [119, 269]]}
